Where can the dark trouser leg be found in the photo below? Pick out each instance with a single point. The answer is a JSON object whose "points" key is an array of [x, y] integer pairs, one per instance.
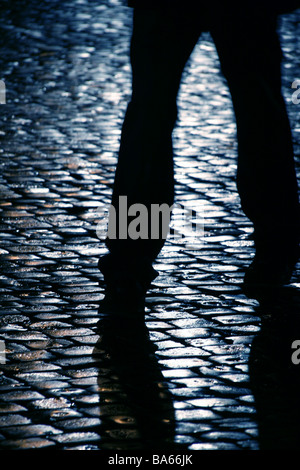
{"points": [[162, 41], [250, 56]]}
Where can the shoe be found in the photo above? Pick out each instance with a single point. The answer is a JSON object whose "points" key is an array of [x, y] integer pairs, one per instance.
{"points": [[127, 282], [270, 269]]}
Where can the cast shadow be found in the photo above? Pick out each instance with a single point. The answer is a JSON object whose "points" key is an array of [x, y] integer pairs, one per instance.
{"points": [[136, 408], [275, 372]]}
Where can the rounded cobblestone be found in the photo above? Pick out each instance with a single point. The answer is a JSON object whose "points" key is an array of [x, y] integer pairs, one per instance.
{"points": [[222, 361]]}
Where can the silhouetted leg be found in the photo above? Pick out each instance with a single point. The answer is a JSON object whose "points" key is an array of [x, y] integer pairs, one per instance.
{"points": [[162, 41], [250, 56], [274, 372]]}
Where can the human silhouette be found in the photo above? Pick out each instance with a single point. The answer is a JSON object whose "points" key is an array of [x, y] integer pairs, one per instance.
{"points": [[163, 38]]}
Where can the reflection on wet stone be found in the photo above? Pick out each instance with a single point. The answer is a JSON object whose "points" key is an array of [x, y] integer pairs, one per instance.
{"points": [[140, 407], [210, 368]]}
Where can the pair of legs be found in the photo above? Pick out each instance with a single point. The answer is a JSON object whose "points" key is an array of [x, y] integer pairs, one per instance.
{"points": [[250, 56]]}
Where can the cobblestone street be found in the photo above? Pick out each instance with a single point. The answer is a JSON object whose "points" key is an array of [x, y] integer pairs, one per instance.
{"points": [[216, 371]]}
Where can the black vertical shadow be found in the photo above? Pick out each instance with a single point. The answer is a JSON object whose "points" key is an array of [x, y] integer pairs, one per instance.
{"points": [[136, 407], [274, 376]]}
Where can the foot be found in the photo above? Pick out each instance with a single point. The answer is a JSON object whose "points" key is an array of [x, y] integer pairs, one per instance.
{"points": [[271, 269], [127, 283]]}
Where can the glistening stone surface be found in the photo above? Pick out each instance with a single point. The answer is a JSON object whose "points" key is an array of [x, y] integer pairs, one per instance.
{"points": [[66, 69]]}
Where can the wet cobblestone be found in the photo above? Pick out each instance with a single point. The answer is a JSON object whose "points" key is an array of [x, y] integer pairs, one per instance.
{"points": [[218, 377]]}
